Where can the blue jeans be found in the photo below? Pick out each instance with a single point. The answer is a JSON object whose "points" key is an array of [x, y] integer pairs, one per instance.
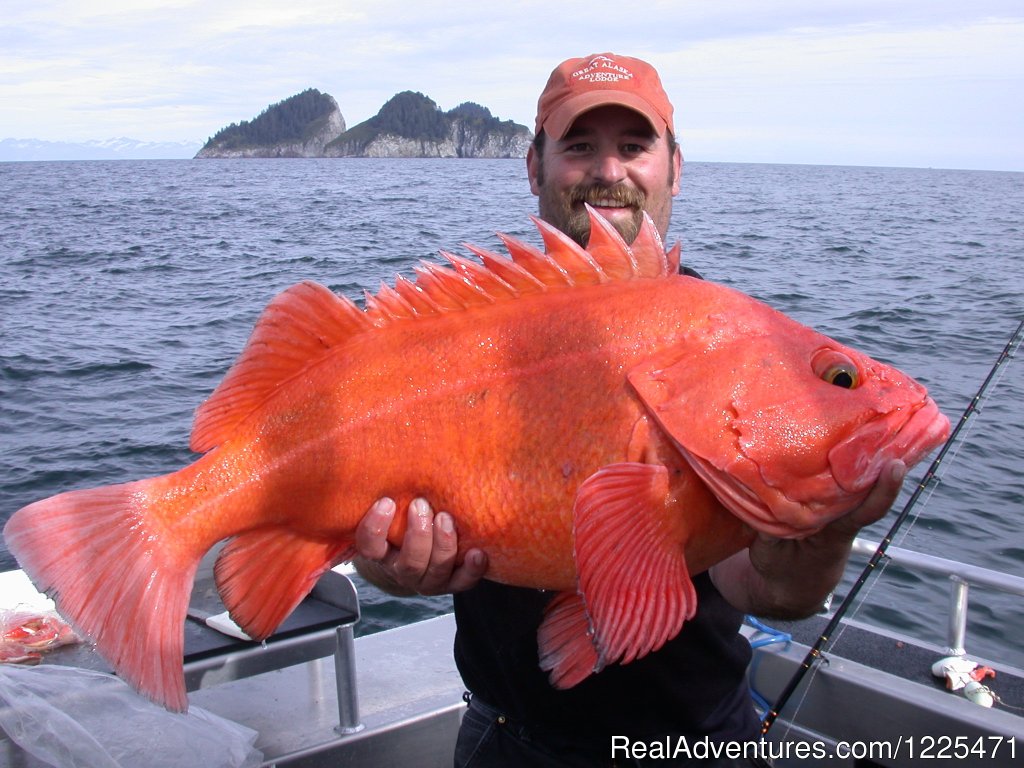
{"points": [[488, 739]]}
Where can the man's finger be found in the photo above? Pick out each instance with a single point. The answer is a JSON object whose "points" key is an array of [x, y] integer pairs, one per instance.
{"points": [[878, 501], [414, 556], [372, 531], [442, 556], [883, 495], [470, 572]]}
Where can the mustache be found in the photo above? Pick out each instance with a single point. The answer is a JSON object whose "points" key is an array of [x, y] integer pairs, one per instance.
{"points": [[620, 194]]}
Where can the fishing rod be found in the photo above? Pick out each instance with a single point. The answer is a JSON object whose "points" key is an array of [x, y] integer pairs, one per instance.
{"points": [[815, 653]]}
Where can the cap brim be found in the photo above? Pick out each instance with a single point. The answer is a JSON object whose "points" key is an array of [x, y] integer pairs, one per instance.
{"points": [[557, 124]]}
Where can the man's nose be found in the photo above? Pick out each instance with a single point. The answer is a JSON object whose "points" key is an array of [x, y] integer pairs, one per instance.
{"points": [[608, 168]]}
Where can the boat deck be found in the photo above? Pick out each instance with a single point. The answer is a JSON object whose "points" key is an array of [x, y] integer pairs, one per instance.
{"points": [[875, 688], [410, 701], [409, 698], [318, 698]]}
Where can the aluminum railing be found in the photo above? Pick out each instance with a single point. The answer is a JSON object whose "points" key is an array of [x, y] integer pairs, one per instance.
{"points": [[961, 577]]}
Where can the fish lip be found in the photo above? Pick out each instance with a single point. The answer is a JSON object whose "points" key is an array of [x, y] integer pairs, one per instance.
{"points": [[854, 466], [907, 434]]}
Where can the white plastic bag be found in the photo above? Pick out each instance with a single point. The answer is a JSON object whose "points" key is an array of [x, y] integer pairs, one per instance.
{"points": [[77, 718]]}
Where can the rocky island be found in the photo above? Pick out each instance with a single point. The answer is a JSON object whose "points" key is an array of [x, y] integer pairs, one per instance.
{"points": [[299, 126], [310, 124]]}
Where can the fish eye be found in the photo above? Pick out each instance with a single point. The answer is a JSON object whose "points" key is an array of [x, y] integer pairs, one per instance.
{"points": [[844, 376], [836, 368]]}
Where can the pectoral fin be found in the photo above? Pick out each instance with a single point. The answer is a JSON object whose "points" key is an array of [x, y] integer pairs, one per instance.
{"points": [[629, 549], [634, 588]]}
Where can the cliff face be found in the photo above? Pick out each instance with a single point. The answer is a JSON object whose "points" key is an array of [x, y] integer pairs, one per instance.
{"points": [[462, 141], [412, 125]]}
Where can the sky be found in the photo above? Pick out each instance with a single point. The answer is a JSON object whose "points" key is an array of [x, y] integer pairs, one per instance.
{"points": [[923, 83]]}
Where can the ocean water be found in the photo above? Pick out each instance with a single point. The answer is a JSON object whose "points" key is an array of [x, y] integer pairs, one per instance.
{"points": [[129, 287]]}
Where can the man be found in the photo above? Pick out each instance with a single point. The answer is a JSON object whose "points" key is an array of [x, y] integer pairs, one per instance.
{"points": [[605, 136]]}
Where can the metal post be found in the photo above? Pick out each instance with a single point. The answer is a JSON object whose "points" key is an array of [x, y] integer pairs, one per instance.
{"points": [[957, 616], [345, 678]]}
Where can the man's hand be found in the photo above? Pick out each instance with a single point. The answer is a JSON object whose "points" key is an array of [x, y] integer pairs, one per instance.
{"points": [[426, 563], [789, 578]]}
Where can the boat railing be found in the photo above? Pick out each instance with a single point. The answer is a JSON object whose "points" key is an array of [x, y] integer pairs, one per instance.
{"points": [[332, 634], [961, 577]]}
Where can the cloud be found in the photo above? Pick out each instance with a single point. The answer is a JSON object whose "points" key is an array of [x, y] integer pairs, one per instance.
{"points": [[851, 88], [849, 81]]}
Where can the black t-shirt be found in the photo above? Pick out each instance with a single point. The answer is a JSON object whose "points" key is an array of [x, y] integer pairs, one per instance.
{"points": [[694, 686]]}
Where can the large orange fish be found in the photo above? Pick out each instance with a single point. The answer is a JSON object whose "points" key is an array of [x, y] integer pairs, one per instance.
{"points": [[599, 424]]}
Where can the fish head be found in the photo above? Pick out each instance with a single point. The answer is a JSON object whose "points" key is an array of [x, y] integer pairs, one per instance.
{"points": [[789, 429]]}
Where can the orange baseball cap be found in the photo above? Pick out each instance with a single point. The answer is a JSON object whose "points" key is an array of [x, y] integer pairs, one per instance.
{"points": [[578, 85]]}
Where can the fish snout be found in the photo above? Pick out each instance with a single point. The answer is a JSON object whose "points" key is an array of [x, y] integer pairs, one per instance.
{"points": [[905, 433]]}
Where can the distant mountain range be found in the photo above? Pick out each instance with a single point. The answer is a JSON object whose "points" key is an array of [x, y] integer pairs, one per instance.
{"points": [[110, 149]]}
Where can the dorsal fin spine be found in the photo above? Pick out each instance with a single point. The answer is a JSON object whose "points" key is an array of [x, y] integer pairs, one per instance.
{"points": [[609, 249], [427, 280], [520, 279], [542, 266], [452, 290], [673, 258], [389, 304], [569, 254], [468, 292], [373, 306], [475, 273], [649, 250], [416, 297]]}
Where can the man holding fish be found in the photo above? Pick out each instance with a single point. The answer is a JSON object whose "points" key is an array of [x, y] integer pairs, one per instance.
{"points": [[633, 458], [605, 137]]}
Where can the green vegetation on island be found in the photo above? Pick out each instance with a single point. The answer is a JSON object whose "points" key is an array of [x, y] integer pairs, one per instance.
{"points": [[294, 119], [480, 119], [412, 115]]}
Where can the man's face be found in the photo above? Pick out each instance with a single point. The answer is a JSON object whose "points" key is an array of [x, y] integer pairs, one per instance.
{"points": [[612, 159]]}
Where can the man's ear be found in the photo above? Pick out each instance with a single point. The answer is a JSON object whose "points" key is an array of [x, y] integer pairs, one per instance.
{"points": [[533, 166]]}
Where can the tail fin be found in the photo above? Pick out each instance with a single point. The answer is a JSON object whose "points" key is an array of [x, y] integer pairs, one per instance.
{"points": [[115, 577]]}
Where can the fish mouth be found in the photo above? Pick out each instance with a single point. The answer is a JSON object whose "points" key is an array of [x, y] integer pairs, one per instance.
{"points": [[853, 467], [904, 434]]}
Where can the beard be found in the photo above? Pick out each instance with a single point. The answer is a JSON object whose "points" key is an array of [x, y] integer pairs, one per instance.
{"points": [[566, 211]]}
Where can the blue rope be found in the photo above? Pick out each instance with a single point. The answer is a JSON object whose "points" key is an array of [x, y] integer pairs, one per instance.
{"points": [[774, 635], [771, 636]]}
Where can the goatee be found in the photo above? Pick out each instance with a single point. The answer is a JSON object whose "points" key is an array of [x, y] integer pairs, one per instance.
{"points": [[575, 222]]}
